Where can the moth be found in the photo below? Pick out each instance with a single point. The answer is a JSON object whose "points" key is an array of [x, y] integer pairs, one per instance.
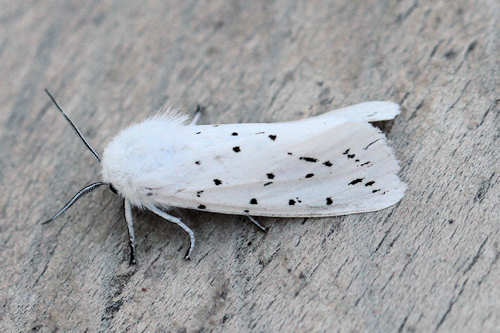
{"points": [[333, 164]]}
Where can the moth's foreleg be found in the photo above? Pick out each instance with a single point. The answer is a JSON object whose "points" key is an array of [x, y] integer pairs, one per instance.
{"points": [[257, 224], [131, 234], [177, 221]]}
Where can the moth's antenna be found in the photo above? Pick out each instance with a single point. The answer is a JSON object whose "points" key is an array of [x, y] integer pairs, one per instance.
{"points": [[78, 195], [74, 126]]}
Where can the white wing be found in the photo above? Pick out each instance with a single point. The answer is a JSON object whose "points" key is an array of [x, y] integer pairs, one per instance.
{"points": [[333, 164]]}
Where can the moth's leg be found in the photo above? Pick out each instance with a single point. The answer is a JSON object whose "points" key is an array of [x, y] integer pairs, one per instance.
{"points": [[257, 224], [131, 235], [177, 221], [197, 115]]}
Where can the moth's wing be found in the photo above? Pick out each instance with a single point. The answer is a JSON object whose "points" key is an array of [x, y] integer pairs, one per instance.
{"points": [[365, 112], [334, 164]]}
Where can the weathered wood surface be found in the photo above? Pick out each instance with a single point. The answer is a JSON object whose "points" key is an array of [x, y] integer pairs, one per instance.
{"points": [[431, 263]]}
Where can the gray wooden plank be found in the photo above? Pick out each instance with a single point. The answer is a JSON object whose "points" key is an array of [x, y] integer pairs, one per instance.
{"points": [[431, 263]]}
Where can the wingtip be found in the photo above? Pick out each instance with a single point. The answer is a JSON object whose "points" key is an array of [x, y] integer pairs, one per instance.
{"points": [[367, 111], [385, 110]]}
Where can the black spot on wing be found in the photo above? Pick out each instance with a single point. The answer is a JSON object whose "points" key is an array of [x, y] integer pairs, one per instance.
{"points": [[329, 201], [217, 182], [270, 175], [272, 136], [309, 175], [253, 201], [197, 162], [197, 132], [268, 183], [365, 163], [291, 202], [290, 153], [355, 181], [202, 207], [198, 193], [236, 149], [234, 134], [327, 163], [308, 159], [246, 211], [375, 191], [347, 153], [370, 183]]}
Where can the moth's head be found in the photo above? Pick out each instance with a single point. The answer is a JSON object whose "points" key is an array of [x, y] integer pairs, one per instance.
{"points": [[87, 188], [122, 160]]}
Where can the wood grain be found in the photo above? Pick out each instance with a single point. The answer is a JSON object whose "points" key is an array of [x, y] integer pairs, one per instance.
{"points": [[431, 263]]}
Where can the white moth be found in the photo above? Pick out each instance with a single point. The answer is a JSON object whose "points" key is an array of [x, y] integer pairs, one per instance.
{"points": [[333, 164]]}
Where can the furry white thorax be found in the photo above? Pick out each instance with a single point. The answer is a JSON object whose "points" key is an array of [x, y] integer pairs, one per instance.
{"points": [[141, 150]]}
